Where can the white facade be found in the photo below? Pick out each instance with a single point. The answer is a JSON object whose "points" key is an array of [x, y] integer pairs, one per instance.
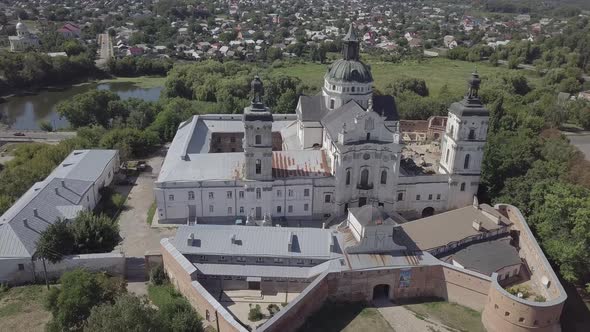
{"points": [[23, 39]]}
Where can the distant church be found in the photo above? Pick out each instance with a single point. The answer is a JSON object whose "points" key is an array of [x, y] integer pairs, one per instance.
{"points": [[23, 40], [341, 149]]}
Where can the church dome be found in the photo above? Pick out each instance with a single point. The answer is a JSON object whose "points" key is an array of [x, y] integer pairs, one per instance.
{"points": [[21, 26], [349, 71]]}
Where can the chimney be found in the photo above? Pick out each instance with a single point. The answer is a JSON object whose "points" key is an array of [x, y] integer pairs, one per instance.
{"points": [[498, 219], [290, 247], [191, 239], [26, 222], [332, 242], [476, 225], [475, 202], [63, 183], [35, 213], [56, 191], [233, 239]]}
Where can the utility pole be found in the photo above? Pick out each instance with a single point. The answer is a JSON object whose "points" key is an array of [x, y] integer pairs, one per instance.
{"points": [[45, 273]]}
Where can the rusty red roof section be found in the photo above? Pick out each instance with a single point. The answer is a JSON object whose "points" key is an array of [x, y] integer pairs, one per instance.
{"points": [[312, 163]]}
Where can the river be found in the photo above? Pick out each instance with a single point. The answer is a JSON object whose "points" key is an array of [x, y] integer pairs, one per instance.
{"points": [[25, 113]]}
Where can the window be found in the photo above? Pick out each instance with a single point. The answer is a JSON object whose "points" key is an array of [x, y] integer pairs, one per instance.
{"points": [[222, 258], [290, 209], [327, 198], [365, 177], [306, 192], [437, 197], [279, 193], [352, 89], [278, 260], [347, 177], [191, 195], [383, 177], [447, 157], [229, 211], [170, 197], [430, 197], [368, 136], [258, 193], [258, 166], [259, 259], [452, 131], [331, 104], [241, 194], [211, 208], [241, 210], [400, 196], [305, 207], [506, 313], [463, 186], [471, 134], [279, 209], [466, 162], [300, 261], [521, 319], [241, 259], [87, 198], [258, 139], [211, 195], [232, 139], [229, 194], [333, 87], [290, 192], [417, 197], [21, 267]]}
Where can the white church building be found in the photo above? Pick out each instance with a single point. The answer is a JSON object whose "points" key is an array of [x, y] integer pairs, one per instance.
{"points": [[23, 40], [341, 149]]}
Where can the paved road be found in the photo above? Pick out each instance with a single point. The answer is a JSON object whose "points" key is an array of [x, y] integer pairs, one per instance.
{"points": [[7, 135], [106, 49]]}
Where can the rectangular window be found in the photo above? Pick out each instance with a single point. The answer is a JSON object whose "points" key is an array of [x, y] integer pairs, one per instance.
{"points": [[279, 193], [203, 258], [279, 208], [278, 261], [290, 192], [241, 194], [430, 197], [417, 197], [258, 193], [229, 210], [232, 139], [306, 192], [229, 194], [21, 267], [170, 197], [290, 209], [241, 259], [400, 196], [211, 208], [300, 261], [327, 198], [259, 259], [222, 258], [241, 210], [305, 207], [437, 196], [211, 195]]}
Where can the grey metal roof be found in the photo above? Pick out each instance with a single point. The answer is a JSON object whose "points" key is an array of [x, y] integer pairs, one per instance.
{"points": [[256, 270], [385, 105], [349, 71], [312, 108], [334, 120], [312, 243], [58, 196], [487, 257], [469, 107]]}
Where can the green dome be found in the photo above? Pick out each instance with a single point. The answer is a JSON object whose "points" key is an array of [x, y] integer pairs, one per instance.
{"points": [[349, 71]]}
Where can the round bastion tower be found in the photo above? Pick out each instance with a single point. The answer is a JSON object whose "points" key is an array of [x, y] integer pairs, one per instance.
{"points": [[348, 78]]}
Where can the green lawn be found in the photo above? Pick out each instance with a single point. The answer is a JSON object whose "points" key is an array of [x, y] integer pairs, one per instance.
{"points": [[348, 317], [436, 72], [151, 213], [160, 295], [21, 309], [145, 82], [450, 314]]}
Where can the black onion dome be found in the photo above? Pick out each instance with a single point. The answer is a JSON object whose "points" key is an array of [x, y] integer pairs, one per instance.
{"points": [[349, 71]]}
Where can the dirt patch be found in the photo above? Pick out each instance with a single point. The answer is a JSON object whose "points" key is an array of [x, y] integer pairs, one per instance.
{"points": [[21, 309]]}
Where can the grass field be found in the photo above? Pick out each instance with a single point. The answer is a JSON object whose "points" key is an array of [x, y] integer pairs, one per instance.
{"points": [[436, 72], [21, 309], [145, 82], [353, 317], [160, 295], [450, 314]]}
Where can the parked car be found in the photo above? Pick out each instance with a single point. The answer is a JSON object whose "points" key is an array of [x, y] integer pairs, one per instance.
{"points": [[19, 134]]}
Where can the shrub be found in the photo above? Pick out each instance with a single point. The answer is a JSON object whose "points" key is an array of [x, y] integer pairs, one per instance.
{"points": [[273, 309], [255, 314], [540, 298], [45, 125], [158, 275], [4, 288], [118, 200]]}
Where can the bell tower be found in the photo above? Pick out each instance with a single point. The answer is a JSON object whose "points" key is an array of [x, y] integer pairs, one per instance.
{"points": [[257, 141]]}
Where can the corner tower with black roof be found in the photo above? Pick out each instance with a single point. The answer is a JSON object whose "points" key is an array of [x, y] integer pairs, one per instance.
{"points": [[348, 78], [257, 142], [462, 145]]}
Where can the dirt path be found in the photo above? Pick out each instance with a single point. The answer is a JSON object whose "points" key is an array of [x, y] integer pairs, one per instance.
{"points": [[402, 319]]}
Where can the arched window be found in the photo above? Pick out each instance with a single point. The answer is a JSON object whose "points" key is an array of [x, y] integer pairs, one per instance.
{"points": [[258, 139], [332, 104], [452, 131], [352, 89], [383, 177], [466, 163], [365, 177], [471, 134], [191, 195], [347, 177], [462, 186], [258, 166], [447, 157], [258, 193]]}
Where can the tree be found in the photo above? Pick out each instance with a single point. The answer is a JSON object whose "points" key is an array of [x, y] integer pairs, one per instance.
{"points": [[496, 114], [415, 85], [55, 242], [73, 47], [95, 233], [128, 313], [89, 108], [80, 291]]}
